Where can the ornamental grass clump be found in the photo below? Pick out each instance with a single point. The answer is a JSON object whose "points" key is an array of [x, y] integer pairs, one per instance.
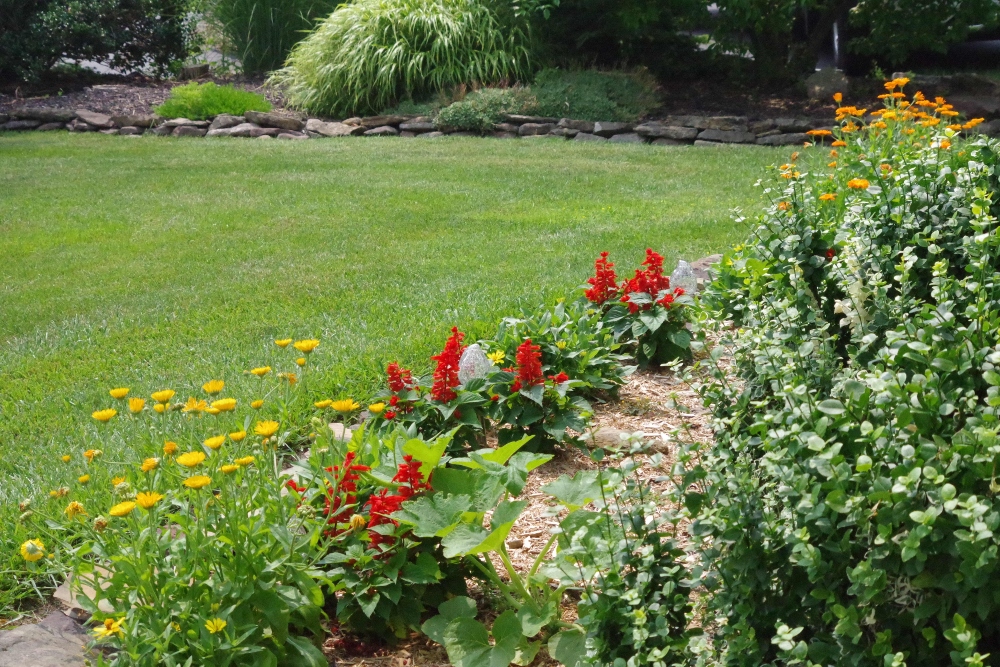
{"points": [[201, 101], [847, 512], [370, 54]]}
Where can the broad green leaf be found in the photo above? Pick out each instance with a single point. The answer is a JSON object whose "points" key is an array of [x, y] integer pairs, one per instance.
{"points": [[435, 515], [484, 489], [303, 654], [469, 539], [507, 512], [507, 625], [468, 645], [568, 647], [532, 622], [575, 491], [428, 454], [424, 570], [831, 406]]}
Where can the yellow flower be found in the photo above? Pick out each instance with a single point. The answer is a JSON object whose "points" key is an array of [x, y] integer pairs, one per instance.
{"points": [[147, 499], [301, 361], [169, 448], [104, 416], [67, 458], [266, 428], [197, 482], [283, 342], [561, 345], [61, 492], [83, 479], [224, 404], [215, 625], [828, 196], [213, 387], [306, 346], [33, 550], [325, 403], [858, 184], [358, 522], [136, 404], [122, 509], [115, 481], [838, 97], [74, 509], [229, 467], [258, 404], [215, 442], [236, 436], [839, 143], [119, 393], [345, 405], [191, 459], [376, 408], [213, 411], [163, 396], [150, 464], [496, 357], [245, 461], [262, 371], [194, 405], [92, 454], [160, 408], [109, 629]]}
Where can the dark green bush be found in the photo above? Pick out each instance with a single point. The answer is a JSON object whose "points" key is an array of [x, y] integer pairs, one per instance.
{"points": [[483, 109], [200, 101], [594, 95]]}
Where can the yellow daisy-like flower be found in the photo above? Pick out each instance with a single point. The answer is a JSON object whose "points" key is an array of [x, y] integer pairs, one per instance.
{"points": [[261, 371], [104, 416], [33, 550], [497, 356], [236, 436], [301, 361], [191, 459], [283, 342], [258, 404], [213, 387], [376, 408], [215, 442], [115, 481], [266, 428], [111, 628], [215, 625], [160, 408], [83, 479], [67, 458], [122, 509], [163, 396], [325, 403], [213, 411], [136, 404], [194, 405], [147, 499], [306, 346], [61, 492], [828, 196], [92, 454], [345, 405], [119, 392], [169, 448], [150, 464], [224, 404], [244, 461], [74, 509], [229, 467], [197, 482]]}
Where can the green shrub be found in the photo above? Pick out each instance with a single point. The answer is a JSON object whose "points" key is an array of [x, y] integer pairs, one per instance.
{"points": [[848, 510], [370, 54], [593, 95], [200, 101], [481, 110], [264, 31]]}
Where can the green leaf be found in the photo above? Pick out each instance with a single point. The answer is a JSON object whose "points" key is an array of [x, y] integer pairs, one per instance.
{"points": [[507, 625], [532, 622], [468, 645], [681, 338], [435, 515], [832, 406], [469, 539], [424, 570], [428, 454], [304, 653], [576, 491], [568, 647]]}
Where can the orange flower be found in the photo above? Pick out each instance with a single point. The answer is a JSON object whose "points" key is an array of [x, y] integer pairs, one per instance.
{"points": [[784, 206], [945, 144], [838, 143], [819, 133], [838, 97], [828, 196], [169, 448], [858, 184]]}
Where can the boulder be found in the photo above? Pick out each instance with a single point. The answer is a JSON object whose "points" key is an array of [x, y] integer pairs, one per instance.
{"points": [[727, 123], [627, 138], [182, 122], [544, 136], [506, 127], [258, 132], [224, 120], [535, 129], [45, 115], [417, 126], [727, 136], [136, 120], [611, 129], [825, 83], [656, 130], [382, 131], [283, 121], [760, 127], [12, 125], [49, 127], [372, 122], [354, 120], [783, 139], [794, 124], [430, 135], [586, 136], [976, 106], [518, 119], [407, 135], [990, 128], [578, 125], [129, 130], [109, 130], [702, 142], [98, 120], [333, 129], [162, 131], [290, 135], [189, 131], [267, 136], [769, 133], [567, 132], [56, 641], [703, 268], [697, 122]]}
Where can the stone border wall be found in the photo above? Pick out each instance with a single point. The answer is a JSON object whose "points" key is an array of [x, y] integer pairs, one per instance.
{"points": [[677, 130]]}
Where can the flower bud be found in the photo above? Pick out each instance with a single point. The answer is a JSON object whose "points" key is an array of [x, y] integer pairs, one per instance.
{"points": [[358, 522]]}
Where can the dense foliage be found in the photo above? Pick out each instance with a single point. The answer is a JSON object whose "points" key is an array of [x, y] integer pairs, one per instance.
{"points": [[481, 110], [595, 95], [200, 101]]}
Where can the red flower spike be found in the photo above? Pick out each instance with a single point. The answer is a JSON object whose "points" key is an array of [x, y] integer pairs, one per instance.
{"points": [[529, 364], [446, 373], [604, 284], [400, 379]]}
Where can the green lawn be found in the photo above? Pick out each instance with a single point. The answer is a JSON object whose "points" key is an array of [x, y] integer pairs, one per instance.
{"points": [[161, 262]]}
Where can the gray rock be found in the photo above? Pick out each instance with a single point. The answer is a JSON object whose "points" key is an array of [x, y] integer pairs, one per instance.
{"points": [[283, 121], [185, 122], [825, 83], [189, 131], [586, 136], [130, 130], [289, 135], [224, 120], [354, 120], [976, 106], [702, 268], [697, 122], [45, 115], [430, 135], [611, 129], [49, 127], [98, 120], [727, 123], [628, 138], [663, 141], [727, 136], [506, 127], [135, 120], [520, 120], [382, 131], [578, 125], [793, 124], [505, 135], [990, 128], [769, 133], [567, 132], [417, 127], [372, 122], [544, 136], [20, 125], [702, 142], [162, 131], [258, 132], [759, 127], [56, 641], [333, 129], [656, 130], [531, 129], [110, 130], [783, 139]]}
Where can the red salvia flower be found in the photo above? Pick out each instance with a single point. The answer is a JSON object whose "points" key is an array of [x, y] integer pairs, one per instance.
{"points": [[559, 379], [446, 373], [650, 280], [529, 365], [400, 379], [390, 414], [604, 284]]}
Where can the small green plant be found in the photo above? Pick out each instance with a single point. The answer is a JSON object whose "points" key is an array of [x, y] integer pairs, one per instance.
{"points": [[481, 110], [595, 95], [200, 101]]}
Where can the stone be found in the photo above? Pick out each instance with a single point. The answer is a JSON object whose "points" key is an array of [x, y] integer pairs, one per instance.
{"points": [[586, 136], [189, 131], [727, 123], [135, 120], [430, 135], [697, 122], [289, 135], [702, 268], [417, 127], [49, 127], [372, 122], [529, 129], [224, 120], [783, 139], [129, 130], [382, 131], [768, 133], [825, 83], [656, 130], [578, 125], [98, 120], [663, 141], [181, 122], [189, 72], [567, 132], [110, 130], [258, 132], [45, 115], [407, 135], [66, 594], [793, 124], [473, 364], [611, 129], [162, 131], [506, 127], [283, 121], [354, 120], [976, 106], [989, 128], [519, 119], [241, 130], [56, 641], [727, 136], [333, 129], [759, 127], [544, 136], [702, 142], [20, 125], [627, 138], [265, 136]]}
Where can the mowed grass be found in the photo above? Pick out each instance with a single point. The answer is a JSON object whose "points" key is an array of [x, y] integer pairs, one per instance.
{"points": [[153, 263]]}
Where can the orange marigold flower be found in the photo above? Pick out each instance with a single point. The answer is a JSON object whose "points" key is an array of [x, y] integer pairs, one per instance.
{"points": [[838, 97], [163, 396], [832, 164], [169, 448], [266, 428], [224, 404], [827, 196], [839, 143], [784, 206], [213, 387], [819, 133], [858, 184], [136, 405], [197, 482], [215, 442], [150, 464], [945, 144]]}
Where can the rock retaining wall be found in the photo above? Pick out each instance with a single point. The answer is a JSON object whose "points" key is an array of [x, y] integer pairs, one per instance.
{"points": [[677, 130]]}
